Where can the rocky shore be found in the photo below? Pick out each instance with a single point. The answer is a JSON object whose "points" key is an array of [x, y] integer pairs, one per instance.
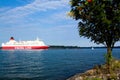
{"points": [[100, 73]]}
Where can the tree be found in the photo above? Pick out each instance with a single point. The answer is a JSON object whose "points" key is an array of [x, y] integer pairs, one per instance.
{"points": [[99, 20]]}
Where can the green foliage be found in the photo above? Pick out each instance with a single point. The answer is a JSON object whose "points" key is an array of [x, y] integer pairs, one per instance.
{"points": [[99, 20]]}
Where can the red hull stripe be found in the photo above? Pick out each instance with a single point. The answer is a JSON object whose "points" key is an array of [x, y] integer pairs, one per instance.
{"points": [[24, 47]]}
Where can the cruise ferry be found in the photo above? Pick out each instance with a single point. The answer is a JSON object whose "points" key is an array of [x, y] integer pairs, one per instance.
{"points": [[13, 44]]}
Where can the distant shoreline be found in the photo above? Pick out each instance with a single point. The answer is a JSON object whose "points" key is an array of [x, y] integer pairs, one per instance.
{"points": [[76, 47]]}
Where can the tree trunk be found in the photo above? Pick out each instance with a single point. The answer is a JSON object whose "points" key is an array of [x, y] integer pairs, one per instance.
{"points": [[109, 58]]}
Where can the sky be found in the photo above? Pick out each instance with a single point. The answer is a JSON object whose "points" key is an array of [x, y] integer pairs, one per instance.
{"points": [[46, 19]]}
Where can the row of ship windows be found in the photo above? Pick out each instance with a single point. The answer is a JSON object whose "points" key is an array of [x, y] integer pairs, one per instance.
{"points": [[25, 43]]}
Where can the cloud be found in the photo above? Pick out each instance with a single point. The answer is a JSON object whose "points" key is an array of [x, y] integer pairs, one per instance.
{"points": [[36, 6], [3, 9], [51, 22]]}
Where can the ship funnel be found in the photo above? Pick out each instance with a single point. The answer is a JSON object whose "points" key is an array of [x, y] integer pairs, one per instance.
{"points": [[12, 38]]}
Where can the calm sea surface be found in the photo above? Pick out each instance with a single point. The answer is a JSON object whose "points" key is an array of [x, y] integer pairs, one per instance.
{"points": [[51, 64]]}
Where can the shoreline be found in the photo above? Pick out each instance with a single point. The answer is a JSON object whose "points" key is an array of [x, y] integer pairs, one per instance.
{"points": [[78, 76], [91, 75], [100, 72]]}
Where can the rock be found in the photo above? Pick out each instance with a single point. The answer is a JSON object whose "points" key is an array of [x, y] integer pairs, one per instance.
{"points": [[91, 72]]}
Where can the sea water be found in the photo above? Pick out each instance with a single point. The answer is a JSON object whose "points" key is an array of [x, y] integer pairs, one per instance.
{"points": [[51, 64]]}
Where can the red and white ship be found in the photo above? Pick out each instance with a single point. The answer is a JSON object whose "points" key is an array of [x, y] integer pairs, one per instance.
{"points": [[12, 44]]}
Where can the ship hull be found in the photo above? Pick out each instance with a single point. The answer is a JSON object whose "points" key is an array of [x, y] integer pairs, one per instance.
{"points": [[23, 47]]}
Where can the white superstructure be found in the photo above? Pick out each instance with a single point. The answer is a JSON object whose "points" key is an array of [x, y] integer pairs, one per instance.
{"points": [[23, 44]]}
